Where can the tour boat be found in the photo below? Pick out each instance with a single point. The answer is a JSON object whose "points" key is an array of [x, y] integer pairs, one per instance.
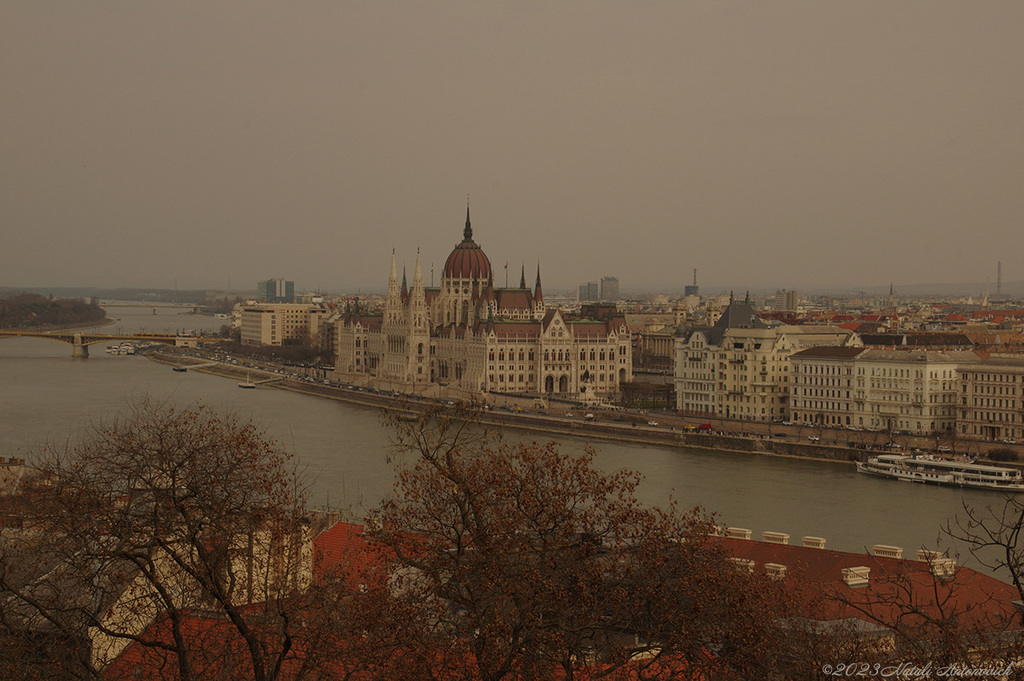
{"points": [[929, 469]]}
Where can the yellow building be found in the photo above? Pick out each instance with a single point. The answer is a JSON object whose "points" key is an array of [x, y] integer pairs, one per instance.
{"points": [[282, 323]]}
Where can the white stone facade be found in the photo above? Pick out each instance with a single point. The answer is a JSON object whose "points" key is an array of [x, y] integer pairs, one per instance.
{"points": [[472, 338], [893, 390], [735, 371], [991, 399]]}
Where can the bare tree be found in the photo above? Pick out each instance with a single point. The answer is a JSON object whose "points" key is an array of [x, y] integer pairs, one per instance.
{"points": [[525, 562], [931, 612], [994, 535], [176, 530]]}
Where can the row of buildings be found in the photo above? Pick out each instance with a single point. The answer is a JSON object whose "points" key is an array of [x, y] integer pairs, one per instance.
{"points": [[468, 337], [742, 367]]}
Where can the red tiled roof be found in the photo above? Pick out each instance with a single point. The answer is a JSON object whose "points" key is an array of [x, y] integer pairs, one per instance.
{"points": [[467, 261], [513, 299], [978, 600]]}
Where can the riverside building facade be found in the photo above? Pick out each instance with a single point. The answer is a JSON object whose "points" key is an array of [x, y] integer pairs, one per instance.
{"points": [[739, 367], [282, 324], [894, 390], [991, 396], [468, 337]]}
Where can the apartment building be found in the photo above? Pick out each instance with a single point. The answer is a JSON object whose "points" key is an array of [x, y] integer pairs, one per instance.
{"points": [[991, 396], [739, 368], [895, 390], [282, 324]]}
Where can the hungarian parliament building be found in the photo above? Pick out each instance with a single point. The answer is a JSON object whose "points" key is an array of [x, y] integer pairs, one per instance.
{"points": [[473, 338]]}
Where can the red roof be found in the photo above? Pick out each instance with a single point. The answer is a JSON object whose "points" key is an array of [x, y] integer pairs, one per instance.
{"points": [[977, 600], [342, 550], [467, 261]]}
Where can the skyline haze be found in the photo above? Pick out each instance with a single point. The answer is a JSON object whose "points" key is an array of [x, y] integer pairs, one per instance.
{"points": [[787, 144]]}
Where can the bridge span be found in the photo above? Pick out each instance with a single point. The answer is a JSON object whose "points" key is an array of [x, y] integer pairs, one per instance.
{"points": [[80, 341]]}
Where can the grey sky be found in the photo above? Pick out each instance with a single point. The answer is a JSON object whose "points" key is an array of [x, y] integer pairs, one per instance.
{"points": [[778, 143]]}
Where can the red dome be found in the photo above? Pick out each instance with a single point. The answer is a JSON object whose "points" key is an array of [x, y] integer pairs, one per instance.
{"points": [[467, 261]]}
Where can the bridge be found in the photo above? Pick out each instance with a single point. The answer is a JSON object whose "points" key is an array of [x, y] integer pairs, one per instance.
{"points": [[80, 341]]}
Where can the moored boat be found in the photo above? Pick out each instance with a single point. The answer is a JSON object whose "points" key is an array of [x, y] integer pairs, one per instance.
{"points": [[929, 469]]}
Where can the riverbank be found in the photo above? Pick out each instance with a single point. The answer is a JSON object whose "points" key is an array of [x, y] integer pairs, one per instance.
{"points": [[573, 426], [77, 326]]}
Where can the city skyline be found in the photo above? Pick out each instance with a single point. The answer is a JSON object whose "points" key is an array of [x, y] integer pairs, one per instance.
{"points": [[789, 145]]}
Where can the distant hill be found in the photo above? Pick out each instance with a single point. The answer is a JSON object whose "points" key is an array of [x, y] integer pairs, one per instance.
{"points": [[23, 310], [147, 295]]}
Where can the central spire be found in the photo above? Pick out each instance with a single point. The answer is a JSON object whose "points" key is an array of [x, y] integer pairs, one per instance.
{"points": [[467, 233]]}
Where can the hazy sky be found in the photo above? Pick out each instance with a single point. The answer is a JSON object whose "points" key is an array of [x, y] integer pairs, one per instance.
{"points": [[779, 143]]}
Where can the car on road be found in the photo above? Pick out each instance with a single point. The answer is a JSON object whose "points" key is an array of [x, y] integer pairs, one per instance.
{"points": [[813, 438], [652, 423]]}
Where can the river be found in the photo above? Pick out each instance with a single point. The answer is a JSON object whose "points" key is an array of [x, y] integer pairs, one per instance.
{"points": [[47, 397]]}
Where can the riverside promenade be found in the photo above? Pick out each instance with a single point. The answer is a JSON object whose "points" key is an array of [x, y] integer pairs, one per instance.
{"points": [[722, 438]]}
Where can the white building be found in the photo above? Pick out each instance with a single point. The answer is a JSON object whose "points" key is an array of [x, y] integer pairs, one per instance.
{"points": [[894, 390], [473, 338], [991, 396], [739, 368]]}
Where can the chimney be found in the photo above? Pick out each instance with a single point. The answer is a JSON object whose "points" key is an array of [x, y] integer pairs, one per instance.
{"points": [[856, 576], [742, 564], [939, 563], [775, 537], [775, 570], [887, 551], [737, 533], [814, 542]]}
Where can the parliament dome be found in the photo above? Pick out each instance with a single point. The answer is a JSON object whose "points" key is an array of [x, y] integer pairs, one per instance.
{"points": [[467, 260]]}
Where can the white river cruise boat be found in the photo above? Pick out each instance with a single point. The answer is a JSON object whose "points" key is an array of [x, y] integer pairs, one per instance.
{"points": [[934, 470]]}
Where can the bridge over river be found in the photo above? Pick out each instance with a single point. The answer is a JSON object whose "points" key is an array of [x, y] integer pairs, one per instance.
{"points": [[80, 341]]}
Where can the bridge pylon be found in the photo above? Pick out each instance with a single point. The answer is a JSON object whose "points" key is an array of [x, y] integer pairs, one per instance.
{"points": [[79, 350]]}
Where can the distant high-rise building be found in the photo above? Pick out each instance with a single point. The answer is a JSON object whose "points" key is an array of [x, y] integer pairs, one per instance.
{"points": [[589, 292], [609, 288], [275, 291], [692, 290], [786, 300]]}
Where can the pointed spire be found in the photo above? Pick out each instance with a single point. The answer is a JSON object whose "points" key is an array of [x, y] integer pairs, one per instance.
{"points": [[522, 277], [537, 295], [393, 292], [405, 287], [467, 233], [417, 277]]}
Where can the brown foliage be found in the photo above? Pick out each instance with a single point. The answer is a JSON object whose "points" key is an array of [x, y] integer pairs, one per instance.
{"points": [[529, 563], [167, 516]]}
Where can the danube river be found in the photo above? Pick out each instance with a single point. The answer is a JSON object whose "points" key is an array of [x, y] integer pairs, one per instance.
{"points": [[47, 397]]}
